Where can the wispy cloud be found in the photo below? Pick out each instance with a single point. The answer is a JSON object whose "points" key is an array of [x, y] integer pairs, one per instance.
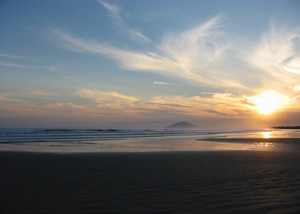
{"points": [[192, 55], [12, 56], [293, 66], [205, 54], [114, 105], [115, 13], [138, 34], [50, 67], [224, 104], [107, 97], [28, 94], [3, 63], [9, 97], [297, 88], [9, 64], [276, 54], [40, 93], [165, 83]]}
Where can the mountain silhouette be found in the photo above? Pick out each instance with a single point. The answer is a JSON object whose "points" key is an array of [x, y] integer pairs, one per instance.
{"points": [[181, 125]]}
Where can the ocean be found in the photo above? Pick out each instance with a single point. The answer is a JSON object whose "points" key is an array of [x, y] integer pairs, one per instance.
{"points": [[141, 140]]}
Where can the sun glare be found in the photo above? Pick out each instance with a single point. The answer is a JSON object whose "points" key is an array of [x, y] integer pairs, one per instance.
{"points": [[266, 103], [266, 134], [269, 101]]}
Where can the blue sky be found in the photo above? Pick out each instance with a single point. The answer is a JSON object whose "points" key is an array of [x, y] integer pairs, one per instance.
{"points": [[149, 63]]}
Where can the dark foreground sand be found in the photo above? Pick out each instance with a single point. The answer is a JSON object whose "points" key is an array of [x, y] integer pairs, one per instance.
{"points": [[174, 182]]}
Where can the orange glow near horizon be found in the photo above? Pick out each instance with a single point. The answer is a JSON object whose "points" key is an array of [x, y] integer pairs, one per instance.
{"points": [[269, 101], [266, 103]]}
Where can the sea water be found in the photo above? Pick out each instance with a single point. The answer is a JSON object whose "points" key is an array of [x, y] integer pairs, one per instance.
{"points": [[129, 140]]}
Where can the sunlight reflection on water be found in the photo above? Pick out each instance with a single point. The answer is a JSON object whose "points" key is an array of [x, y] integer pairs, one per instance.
{"points": [[150, 145], [266, 134], [258, 141]]}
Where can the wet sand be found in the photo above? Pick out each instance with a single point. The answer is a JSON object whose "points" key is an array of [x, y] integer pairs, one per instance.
{"points": [[155, 182]]}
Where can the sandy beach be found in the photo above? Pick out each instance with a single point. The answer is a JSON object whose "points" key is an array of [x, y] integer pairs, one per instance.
{"points": [[153, 182]]}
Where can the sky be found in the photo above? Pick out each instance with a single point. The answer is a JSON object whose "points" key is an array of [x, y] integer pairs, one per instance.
{"points": [[146, 64]]}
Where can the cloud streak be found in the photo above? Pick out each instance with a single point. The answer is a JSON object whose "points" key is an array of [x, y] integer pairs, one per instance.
{"points": [[206, 55], [166, 83], [293, 66], [3, 63], [191, 55], [114, 12], [202, 55], [8, 64], [224, 104], [107, 97], [276, 55], [12, 56], [25, 95], [116, 105]]}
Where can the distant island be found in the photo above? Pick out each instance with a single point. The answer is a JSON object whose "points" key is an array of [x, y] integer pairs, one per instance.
{"points": [[286, 127], [181, 125]]}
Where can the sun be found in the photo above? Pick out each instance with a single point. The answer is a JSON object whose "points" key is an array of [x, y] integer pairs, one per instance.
{"points": [[266, 103], [269, 101]]}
